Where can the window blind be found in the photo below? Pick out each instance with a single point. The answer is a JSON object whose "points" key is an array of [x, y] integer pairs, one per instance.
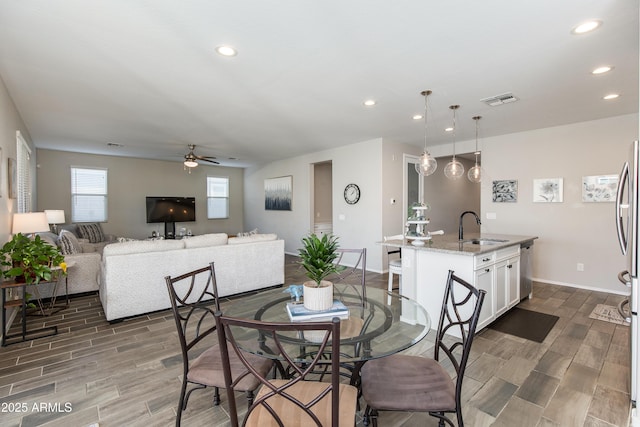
{"points": [[23, 174], [88, 194], [217, 197]]}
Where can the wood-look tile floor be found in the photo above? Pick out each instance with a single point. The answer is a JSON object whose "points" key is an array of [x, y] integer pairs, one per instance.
{"points": [[129, 373]]}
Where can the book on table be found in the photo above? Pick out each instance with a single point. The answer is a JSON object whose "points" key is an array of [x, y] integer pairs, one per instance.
{"points": [[298, 313]]}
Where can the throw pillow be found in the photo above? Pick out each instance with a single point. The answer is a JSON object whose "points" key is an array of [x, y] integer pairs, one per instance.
{"points": [[69, 244], [91, 231], [247, 233], [252, 239]]}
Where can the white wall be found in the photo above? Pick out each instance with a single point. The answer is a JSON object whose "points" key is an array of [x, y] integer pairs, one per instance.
{"points": [[573, 231], [356, 225]]}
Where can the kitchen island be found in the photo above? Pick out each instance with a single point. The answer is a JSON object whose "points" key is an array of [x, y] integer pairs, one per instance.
{"points": [[488, 261]]}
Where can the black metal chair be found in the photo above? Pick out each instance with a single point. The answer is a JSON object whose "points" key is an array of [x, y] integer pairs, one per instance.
{"points": [[420, 384], [194, 301], [297, 400]]}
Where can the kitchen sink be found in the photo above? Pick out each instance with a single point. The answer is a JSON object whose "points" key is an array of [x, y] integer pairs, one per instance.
{"points": [[485, 241]]}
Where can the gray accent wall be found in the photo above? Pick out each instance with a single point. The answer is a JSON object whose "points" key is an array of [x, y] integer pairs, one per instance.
{"points": [[130, 180]]}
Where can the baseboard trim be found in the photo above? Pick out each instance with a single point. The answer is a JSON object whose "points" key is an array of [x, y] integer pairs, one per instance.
{"points": [[573, 285]]}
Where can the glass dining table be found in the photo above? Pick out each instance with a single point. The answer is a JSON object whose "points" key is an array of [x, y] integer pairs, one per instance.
{"points": [[380, 324]]}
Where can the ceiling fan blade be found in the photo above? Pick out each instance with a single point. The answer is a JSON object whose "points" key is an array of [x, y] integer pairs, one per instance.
{"points": [[208, 159]]}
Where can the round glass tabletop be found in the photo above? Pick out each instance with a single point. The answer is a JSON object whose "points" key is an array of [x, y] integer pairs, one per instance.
{"points": [[379, 324]]}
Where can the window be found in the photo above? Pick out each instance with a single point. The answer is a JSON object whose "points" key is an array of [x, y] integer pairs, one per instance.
{"points": [[217, 197], [22, 186], [88, 195]]}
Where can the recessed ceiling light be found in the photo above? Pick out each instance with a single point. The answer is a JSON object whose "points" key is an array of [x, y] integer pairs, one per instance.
{"points": [[369, 103], [602, 70], [226, 51], [448, 129], [417, 117], [586, 27], [611, 96]]}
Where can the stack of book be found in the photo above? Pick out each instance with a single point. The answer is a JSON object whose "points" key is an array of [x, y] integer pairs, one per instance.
{"points": [[298, 313]]}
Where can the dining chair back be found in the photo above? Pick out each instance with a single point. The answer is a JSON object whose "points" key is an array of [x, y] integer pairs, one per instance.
{"points": [[420, 384], [297, 400], [194, 302], [354, 275]]}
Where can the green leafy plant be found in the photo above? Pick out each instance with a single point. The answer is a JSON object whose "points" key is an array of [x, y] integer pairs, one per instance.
{"points": [[31, 259], [318, 255]]}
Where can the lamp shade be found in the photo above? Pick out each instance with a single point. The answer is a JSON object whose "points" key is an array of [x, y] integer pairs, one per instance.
{"points": [[54, 216], [31, 222]]}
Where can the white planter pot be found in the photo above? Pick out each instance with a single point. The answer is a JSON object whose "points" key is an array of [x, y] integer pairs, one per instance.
{"points": [[318, 298]]}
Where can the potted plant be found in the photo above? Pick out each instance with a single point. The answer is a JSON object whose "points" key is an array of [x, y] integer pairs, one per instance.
{"points": [[317, 258], [30, 260]]}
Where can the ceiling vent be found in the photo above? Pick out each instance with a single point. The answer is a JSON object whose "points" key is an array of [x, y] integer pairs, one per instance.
{"points": [[494, 101]]}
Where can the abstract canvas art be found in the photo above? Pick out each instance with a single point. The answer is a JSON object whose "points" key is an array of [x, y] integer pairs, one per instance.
{"points": [[505, 191], [278, 193], [547, 190]]}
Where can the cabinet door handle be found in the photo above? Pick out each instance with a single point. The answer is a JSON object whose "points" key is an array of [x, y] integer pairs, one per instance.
{"points": [[486, 270], [486, 259], [509, 266]]}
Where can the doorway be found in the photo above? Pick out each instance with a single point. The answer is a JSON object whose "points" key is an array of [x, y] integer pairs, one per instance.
{"points": [[322, 200]]}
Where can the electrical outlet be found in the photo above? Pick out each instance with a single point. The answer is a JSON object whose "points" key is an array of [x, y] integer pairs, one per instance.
{"points": [[580, 266]]}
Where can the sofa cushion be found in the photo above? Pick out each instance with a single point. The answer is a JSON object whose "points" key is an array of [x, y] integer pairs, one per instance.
{"points": [[248, 233], [91, 231], [251, 239], [139, 246], [69, 243], [49, 237], [213, 239]]}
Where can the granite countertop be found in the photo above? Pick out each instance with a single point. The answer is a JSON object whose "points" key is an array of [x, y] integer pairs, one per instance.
{"points": [[449, 243]]}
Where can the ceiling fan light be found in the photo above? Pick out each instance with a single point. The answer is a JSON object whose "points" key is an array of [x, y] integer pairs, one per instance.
{"points": [[190, 163]]}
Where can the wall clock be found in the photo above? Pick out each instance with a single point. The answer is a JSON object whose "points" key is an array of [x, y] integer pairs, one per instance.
{"points": [[351, 194]]}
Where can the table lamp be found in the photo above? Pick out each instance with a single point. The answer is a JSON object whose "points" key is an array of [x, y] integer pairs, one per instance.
{"points": [[54, 217], [29, 223]]}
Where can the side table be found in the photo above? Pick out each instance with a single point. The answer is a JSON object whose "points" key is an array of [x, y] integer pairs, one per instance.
{"points": [[52, 307], [22, 302]]}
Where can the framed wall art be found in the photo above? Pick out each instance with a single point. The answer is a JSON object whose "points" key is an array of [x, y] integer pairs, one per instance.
{"points": [[547, 190], [278, 193], [505, 191], [599, 188], [12, 172]]}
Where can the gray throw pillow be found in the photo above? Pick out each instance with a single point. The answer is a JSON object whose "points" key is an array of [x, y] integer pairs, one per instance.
{"points": [[91, 232], [69, 244]]}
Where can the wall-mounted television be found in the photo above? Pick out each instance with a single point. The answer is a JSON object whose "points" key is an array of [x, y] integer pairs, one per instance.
{"points": [[169, 210]]}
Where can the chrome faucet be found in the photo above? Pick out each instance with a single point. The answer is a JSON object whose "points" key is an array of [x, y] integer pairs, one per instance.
{"points": [[460, 231]]}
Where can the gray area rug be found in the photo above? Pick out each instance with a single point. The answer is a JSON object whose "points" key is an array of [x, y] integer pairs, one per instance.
{"points": [[608, 313]]}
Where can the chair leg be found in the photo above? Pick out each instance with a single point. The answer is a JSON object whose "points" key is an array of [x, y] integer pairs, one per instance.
{"points": [[370, 415], [250, 397], [216, 396]]}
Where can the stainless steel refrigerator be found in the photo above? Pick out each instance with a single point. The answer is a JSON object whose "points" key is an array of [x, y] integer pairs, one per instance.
{"points": [[627, 199]]}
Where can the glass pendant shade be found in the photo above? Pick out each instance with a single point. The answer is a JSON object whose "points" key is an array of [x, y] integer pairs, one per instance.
{"points": [[427, 164], [454, 169], [475, 173]]}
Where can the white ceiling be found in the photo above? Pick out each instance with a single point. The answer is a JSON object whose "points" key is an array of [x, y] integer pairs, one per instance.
{"points": [[144, 73]]}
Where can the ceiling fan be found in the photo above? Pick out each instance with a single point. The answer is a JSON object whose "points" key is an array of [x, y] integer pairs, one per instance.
{"points": [[191, 160]]}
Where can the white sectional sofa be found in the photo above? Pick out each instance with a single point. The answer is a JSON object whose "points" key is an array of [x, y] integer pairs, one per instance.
{"points": [[132, 274]]}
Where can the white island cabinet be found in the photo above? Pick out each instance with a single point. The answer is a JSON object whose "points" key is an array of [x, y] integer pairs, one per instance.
{"points": [[493, 267]]}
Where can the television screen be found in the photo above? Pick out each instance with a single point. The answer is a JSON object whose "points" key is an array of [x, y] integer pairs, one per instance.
{"points": [[171, 209]]}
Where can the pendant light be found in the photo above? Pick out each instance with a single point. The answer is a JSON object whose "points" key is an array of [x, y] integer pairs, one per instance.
{"points": [[475, 173], [454, 169], [427, 165]]}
